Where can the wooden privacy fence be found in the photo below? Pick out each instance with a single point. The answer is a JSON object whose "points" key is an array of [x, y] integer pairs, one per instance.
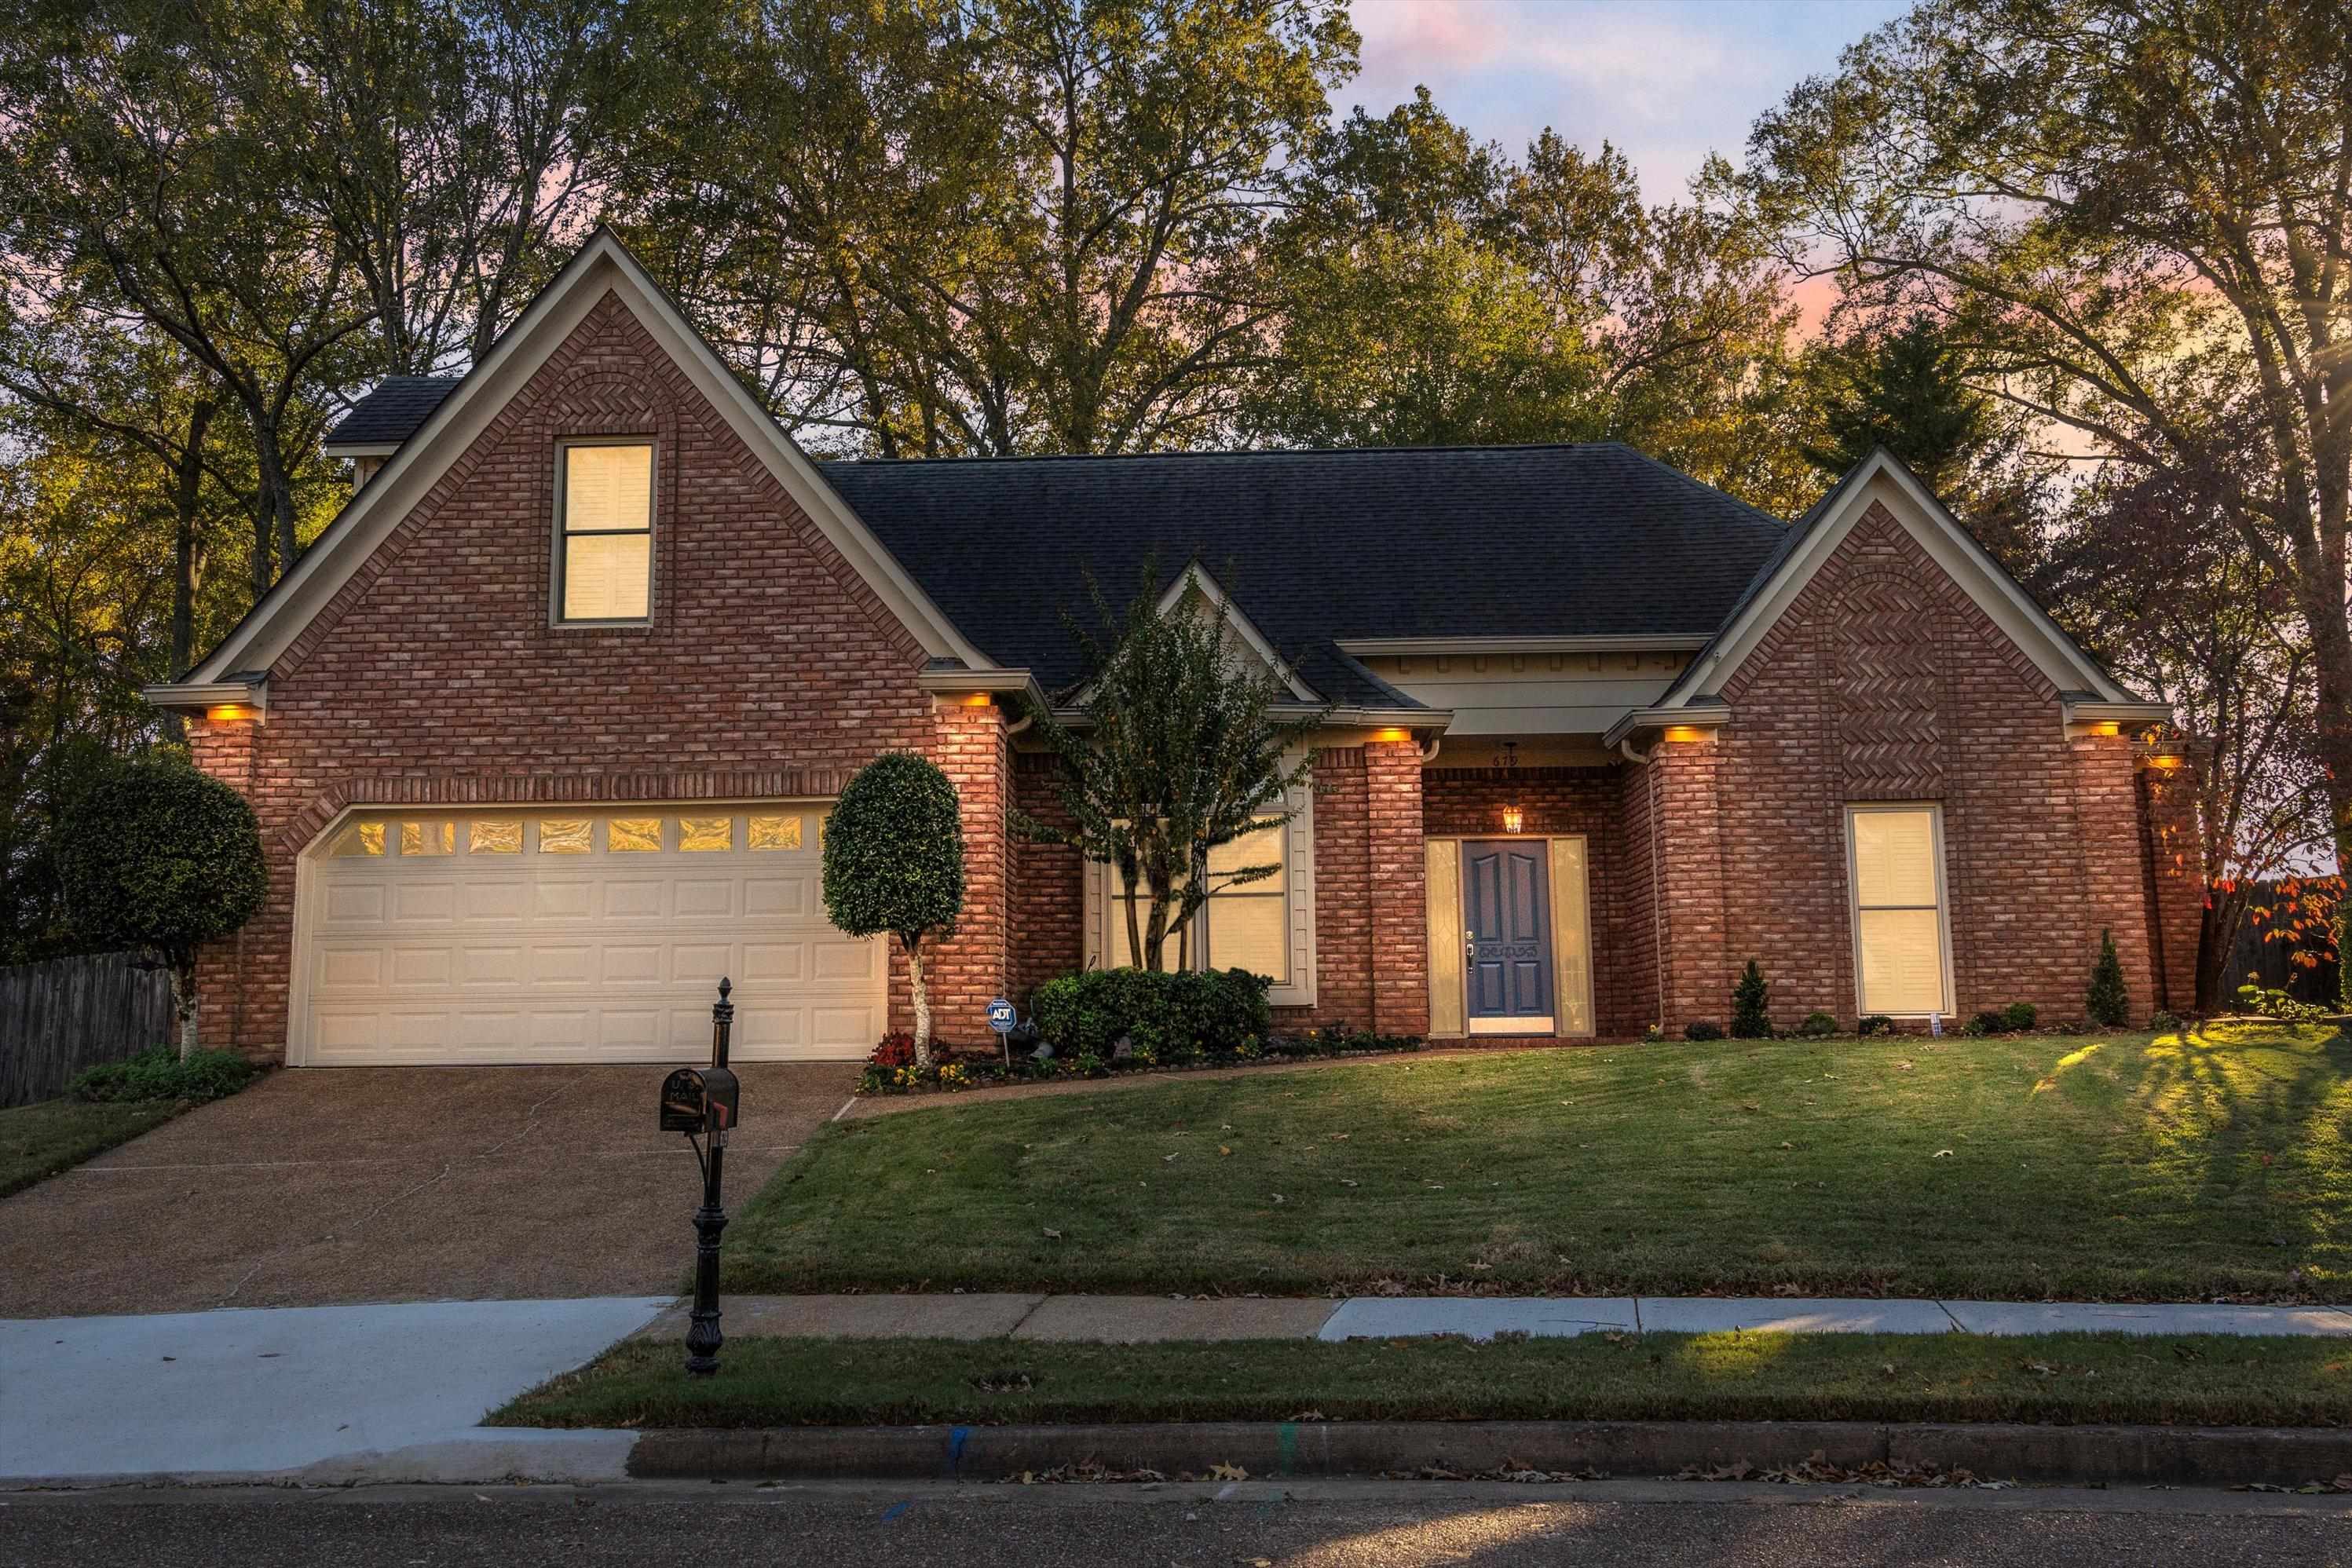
{"points": [[58, 1017]]}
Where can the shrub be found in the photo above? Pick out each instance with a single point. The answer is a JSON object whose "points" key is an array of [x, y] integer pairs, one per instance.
{"points": [[2165, 1023], [158, 856], [160, 1073], [2018, 1017], [1992, 1021], [1705, 1029], [1817, 1026], [1875, 1023], [2274, 1003], [894, 864], [2107, 1003], [1170, 1016], [1748, 1019]]}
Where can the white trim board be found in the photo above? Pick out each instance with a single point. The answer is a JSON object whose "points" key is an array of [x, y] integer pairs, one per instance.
{"points": [[1882, 478], [603, 264]]}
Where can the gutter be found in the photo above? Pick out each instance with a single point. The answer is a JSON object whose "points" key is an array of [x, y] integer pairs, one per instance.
{"points": [[1700, 714]]}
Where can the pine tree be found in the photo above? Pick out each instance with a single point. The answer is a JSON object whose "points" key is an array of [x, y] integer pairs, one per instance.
{"points": [[2108, 1004], [1748, 1019]]}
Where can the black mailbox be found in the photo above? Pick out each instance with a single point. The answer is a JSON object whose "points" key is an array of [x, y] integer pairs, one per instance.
{"points": [[699, 1099], [684, 1102]]}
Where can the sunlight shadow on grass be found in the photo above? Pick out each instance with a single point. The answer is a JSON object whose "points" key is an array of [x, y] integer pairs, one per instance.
{"points": [[2071, 1058], [1731, 1355]]}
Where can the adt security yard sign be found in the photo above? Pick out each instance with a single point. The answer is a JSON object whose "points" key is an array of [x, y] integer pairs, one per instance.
{"points": [[1003, 1016]]}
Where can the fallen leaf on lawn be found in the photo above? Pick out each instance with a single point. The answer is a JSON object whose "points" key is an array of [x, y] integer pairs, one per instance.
{"points": [[1224, 1149], [2040, 1368], [1436, 1186], [1903, 1066], [1279, 1198], [1165, 1158], [1222, 1472], [1943, 1154], [1051, 1234], [1749, 1105], [1339, 1137], [1345, 1182], [1786, 1145]]}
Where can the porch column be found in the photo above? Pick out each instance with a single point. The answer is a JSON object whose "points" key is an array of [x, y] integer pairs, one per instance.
{"points": [[1692, 924], [1397, 895], [969, 969], [2172, 840]]}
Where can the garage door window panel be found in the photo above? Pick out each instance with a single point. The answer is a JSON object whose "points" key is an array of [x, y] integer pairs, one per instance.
{"points": [[564, 836], [425, 839], [774, 832], [494, 838], [633, 836]]}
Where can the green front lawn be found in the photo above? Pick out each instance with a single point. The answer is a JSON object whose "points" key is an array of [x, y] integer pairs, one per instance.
{"points": [[2116, 1167], [38, 1141], [2201, 1380]]}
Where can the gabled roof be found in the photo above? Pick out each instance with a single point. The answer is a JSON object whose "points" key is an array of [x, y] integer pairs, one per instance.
{"points": [[389, 415], [1319, 547], [603, 264], [1815, 537]]}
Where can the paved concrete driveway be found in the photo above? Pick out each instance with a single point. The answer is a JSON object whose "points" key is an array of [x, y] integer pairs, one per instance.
{"points": [[389, 1184]]}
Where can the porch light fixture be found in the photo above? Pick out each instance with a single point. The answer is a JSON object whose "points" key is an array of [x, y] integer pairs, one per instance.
{"points": [[233, 712], [1508, 759], [1684, 732], [2168, 763]]}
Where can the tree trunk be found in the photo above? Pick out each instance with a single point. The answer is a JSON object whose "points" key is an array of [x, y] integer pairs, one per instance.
{"points": [[187, 495], [183, 998], [2331, 645], [2224, 913], [922, 1001], [276, 496]]}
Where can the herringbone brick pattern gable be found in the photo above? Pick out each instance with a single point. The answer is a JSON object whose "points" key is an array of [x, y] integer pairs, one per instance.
{"points": [[1886, 681]]}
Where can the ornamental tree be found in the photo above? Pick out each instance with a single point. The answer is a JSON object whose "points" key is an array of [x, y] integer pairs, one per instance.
{"points": [[158, 856], [894, 863], [1176, 749]]}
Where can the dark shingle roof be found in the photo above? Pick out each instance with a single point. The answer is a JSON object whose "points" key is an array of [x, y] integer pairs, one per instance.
{"points": [[393, 412], [1321, 547]]}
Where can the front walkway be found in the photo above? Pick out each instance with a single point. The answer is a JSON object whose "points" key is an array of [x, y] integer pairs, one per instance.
{"points": [[1133, 1320]]}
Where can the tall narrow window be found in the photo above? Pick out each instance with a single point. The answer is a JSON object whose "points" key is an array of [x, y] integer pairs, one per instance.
{"points": [[1246, 920], [607, 546], [1898, 908]]}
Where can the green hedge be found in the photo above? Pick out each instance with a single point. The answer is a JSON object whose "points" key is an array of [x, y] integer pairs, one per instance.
{"points": [[1170, 1016], [158, 1073]]}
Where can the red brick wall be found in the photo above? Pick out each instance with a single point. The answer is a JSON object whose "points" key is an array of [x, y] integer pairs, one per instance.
{"points": [[1399, 870], [967, 966], [1885, 682], [1469, 801], [2176, 870], [1047, 904], [1637, 889], [1343, 905], [1694, 911], [769, 668]]}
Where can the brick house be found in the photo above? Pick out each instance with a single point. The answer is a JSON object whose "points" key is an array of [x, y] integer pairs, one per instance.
{"points": [[542, 731]]}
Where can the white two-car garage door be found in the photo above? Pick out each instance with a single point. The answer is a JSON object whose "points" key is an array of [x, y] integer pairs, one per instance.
{"points": [[555, 934]]}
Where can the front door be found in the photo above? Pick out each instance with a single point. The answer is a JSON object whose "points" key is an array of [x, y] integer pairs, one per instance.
{"points": [[1507, 935]]}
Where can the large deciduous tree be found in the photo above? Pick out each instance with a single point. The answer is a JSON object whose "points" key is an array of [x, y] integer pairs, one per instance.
{"points": [[2141, 212], [990, 227]]}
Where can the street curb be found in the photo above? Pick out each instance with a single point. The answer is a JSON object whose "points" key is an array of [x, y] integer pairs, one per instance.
{"points": [[2183, 1456]]}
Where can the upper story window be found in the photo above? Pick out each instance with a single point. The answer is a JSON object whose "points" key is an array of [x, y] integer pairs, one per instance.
{"points": [[604, 508]]}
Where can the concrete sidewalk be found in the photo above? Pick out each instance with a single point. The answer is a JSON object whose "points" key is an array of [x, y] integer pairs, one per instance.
{"points": [[1133, 1320], [314, 1394]]}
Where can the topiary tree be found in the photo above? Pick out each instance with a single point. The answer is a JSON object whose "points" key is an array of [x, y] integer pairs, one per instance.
{"points": [[894, 863], [2108, 1004], [1748, 1019], [156, 855]]}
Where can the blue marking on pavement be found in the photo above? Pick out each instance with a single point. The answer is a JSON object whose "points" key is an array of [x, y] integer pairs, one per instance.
{"points": [[956, 1436]]}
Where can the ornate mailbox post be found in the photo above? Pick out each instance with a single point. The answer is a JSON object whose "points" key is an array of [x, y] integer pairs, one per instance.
{"points": [[706, 1101]]}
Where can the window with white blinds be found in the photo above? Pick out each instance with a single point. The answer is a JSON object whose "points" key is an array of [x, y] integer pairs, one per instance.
{"points": [[606, 556], [1898, 909]]}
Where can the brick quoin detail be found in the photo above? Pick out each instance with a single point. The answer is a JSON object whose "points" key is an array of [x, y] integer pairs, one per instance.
{"points": [[2177, 873]]}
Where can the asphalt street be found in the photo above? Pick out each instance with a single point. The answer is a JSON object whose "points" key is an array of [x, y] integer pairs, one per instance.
{"points": [[1626, 1524]]}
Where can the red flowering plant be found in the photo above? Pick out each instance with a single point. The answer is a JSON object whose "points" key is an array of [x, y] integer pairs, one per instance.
{"points": [[897, 1050]]}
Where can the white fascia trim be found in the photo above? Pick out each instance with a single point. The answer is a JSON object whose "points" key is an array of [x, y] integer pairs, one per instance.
{"points": [[996, 682], [1699, 715], [1195, 575], [1953, 548], [359, 448], [603, 263], [1663, 642], [2085, 711], [207, 694], [1435, 720]]}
